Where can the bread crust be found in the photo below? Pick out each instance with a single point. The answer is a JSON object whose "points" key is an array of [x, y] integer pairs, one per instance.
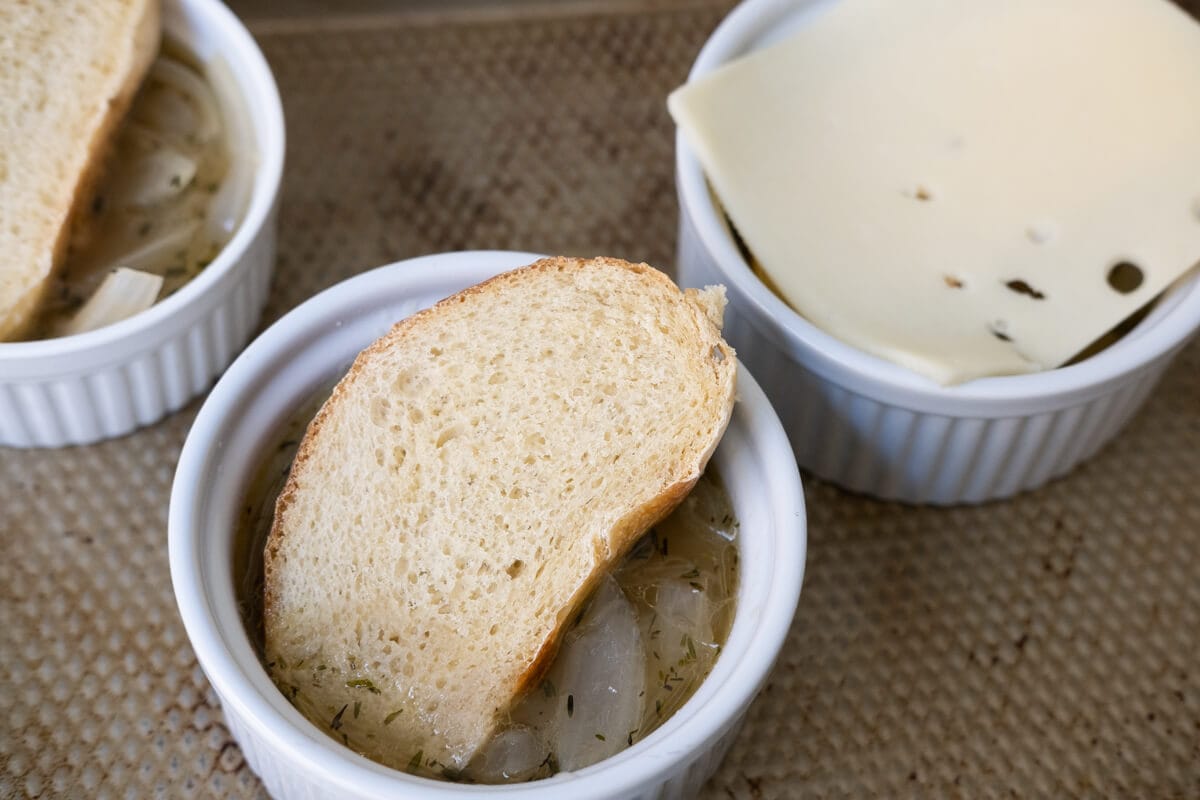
{"points": [[622, 535]]}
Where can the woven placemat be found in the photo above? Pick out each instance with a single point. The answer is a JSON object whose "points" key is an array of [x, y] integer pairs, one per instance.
{"points": [[1041, 647]]}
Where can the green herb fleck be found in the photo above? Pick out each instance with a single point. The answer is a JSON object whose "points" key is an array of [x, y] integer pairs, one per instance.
{"points": [[691, 573], [388, 719], [570, 705], [698, 587], [549, 689], [414, 763], [600, 736], [686, 642], [357, 708], [336, 723], [362, 683]]}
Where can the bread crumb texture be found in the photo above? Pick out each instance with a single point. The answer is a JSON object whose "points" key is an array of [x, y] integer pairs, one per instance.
{"points": [[469, 481]]}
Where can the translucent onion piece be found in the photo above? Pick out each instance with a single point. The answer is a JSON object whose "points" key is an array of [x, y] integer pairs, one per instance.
{"points": [[676, 614], [155, 253], [152, 174], [166, 111], [683, 610], [123, 293], [229, 204], [600, 674], [184, 79], [515, 754]]}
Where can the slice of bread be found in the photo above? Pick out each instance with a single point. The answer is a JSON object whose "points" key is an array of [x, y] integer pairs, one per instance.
{"points": [[471, 479], [68, 72]]}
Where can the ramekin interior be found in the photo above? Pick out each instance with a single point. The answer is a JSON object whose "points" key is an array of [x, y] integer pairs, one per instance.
{"points": [[756, 23], [210, 29], [315, 343]]}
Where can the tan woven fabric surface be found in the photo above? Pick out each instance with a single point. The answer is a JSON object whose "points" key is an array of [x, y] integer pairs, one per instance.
{"points": [[1044, 647]]}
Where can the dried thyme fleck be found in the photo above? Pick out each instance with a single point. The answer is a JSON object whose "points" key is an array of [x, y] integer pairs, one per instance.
{"points": [[336, 722]]}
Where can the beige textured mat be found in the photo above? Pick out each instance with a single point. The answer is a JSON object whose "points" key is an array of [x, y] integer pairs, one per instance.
{"points": [[1043, 647]]}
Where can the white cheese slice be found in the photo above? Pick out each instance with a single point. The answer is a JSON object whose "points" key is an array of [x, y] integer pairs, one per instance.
{"points": [[949, 184]]}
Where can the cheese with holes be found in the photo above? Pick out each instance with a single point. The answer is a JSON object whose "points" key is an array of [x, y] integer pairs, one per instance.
{"points": [[963, 187]]}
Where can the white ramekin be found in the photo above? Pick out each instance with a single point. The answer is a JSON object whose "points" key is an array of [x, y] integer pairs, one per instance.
{"points": [[282, 369], [108, 382], [874, 427]]}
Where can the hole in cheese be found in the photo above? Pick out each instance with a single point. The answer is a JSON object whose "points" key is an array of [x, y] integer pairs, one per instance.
{"points": [[1021, 287], [1125, 277]]}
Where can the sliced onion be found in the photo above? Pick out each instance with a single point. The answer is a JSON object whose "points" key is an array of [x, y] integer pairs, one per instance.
{"points": [[157, 252], [181, 77], [600, 673], [229, 204], [683, 610], [152, 174], [514, 754], [166, 111], [123, 293]]}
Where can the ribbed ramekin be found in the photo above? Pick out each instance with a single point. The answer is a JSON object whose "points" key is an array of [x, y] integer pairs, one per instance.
{"points": [[877, 428], [108, 382], [278, 373]]}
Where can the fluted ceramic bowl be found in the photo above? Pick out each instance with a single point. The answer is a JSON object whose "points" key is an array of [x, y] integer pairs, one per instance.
{"points": [[278, 374], [110, 381], [874, 427]]}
